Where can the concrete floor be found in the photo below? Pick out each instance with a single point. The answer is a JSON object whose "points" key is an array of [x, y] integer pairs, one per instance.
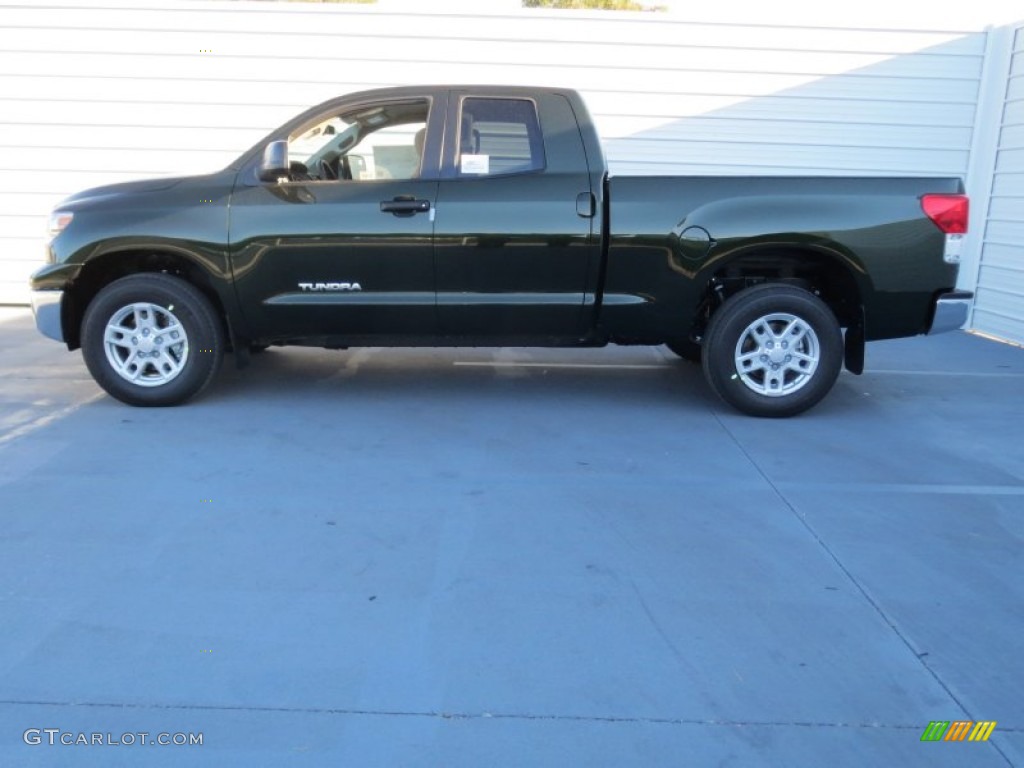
{"points": [[448, 558]]}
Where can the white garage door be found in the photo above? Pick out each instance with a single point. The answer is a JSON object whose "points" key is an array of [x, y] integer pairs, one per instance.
{"points": [[999, 306]]}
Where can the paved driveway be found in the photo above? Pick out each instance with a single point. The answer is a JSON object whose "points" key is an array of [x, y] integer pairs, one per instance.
{"points": [[511, 558]]}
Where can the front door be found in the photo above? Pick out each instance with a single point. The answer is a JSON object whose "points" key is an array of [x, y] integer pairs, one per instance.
{"points": [[343, 247]]}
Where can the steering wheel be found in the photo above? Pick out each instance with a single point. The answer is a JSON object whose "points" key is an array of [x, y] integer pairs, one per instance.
{"points": [[327, 173], [298, 172]]}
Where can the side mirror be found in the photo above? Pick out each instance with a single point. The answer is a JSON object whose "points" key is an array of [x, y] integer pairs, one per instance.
{"points": [[275, 161]]}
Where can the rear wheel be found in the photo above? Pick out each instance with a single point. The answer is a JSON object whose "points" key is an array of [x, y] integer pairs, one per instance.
{"points": [[773, 350], [152, 339]]}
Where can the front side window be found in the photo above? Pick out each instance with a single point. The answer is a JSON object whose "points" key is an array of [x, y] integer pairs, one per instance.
{"points": [[380, 142], [499, 137]]}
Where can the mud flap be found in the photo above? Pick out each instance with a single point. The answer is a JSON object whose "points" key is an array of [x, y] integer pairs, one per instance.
{"points": [[853, 354]]}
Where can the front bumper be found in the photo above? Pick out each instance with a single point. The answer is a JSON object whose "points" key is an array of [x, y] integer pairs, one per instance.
{"points": [[951, 311], [46, 309]]}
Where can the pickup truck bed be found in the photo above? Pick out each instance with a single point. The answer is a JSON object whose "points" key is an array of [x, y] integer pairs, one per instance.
{"points": [[485, 215], [884, 257]]}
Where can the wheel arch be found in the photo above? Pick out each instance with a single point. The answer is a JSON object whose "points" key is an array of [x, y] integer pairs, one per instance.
{"points": [[101, 270], [836, 277]]}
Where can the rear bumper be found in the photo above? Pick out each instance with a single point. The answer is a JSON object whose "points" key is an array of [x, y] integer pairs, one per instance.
{"points": [[46, 309], [951, 311]]}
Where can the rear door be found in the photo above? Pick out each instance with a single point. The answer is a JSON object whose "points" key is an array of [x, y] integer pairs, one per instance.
{"points": [[515, 246]]}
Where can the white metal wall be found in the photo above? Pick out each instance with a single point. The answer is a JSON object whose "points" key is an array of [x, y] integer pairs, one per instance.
{"points": [[999, 306], [97, 92]]}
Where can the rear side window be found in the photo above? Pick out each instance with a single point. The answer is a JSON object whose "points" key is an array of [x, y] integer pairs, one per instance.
{"points": [[499, 137]]}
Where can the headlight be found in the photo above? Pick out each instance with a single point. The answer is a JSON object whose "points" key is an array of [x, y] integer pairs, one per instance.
{"points": [[59, 221]]}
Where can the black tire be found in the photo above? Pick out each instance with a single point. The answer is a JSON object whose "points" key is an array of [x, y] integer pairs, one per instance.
{"points": [[688, 350], [152, 339], [748, 360]]}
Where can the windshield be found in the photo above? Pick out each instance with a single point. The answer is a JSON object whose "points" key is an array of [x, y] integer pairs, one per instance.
{"points": [[321, 138]]}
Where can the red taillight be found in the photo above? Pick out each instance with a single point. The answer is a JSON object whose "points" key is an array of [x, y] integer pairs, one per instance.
{"points": [[949, 212]]}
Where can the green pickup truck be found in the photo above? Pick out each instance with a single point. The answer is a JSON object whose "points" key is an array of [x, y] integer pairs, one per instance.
{"points": [[485, 216]]}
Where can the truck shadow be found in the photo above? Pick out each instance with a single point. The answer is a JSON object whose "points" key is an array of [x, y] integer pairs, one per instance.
{"points": [[633, 380], [467, 376]]}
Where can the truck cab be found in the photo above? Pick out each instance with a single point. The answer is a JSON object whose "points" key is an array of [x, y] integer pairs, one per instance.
{"points": [[421, 214]]}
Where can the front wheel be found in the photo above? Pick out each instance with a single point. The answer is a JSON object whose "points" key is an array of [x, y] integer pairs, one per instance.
{"points": [[773, 350], [152, 339]]}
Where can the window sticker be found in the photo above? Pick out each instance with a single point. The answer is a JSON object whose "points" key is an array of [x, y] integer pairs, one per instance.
{"points": [[477, 164]]}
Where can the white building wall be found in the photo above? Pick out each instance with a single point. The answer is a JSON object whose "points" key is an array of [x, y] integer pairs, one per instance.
{"points": [[98, 92], [999, 304]]}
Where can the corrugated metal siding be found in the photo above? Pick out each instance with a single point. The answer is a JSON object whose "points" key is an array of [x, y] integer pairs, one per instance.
{"points": [[91, 95], [999, 306]]}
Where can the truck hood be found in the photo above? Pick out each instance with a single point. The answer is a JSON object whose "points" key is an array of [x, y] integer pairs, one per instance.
{"points": [[124, 188]]}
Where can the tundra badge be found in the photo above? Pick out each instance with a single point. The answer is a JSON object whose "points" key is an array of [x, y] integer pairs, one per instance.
{"points": [[330, 286]]}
